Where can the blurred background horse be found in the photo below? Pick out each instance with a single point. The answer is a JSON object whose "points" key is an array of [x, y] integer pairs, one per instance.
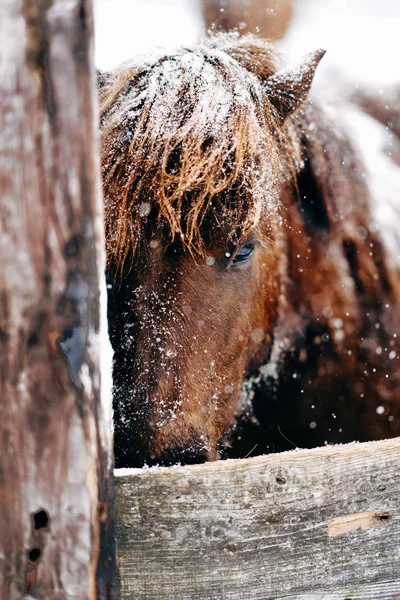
{"points": [[268, 18]]}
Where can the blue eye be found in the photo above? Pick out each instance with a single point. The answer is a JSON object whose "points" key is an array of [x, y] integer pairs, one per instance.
{"points": [[244, 254]]}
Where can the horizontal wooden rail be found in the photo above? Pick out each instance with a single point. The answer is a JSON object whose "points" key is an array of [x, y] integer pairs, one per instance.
{"points": [[308, 524]]}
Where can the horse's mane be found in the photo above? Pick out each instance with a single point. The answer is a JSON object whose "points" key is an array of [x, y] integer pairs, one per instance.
{"points": [[190, 136]]}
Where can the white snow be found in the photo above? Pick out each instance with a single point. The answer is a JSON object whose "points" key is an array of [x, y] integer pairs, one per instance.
{"points": [[129, 27], [360, 36]]}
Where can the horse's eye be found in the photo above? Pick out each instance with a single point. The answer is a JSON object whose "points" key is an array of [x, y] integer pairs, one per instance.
{"points": [[244, 254]]}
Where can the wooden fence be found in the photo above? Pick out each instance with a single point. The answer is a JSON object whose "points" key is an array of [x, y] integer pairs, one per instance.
{"points": [[309, 524], [321, 524]]}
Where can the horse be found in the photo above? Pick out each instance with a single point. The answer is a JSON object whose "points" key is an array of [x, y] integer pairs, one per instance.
{"points": [[269, 18], [252, 237]]}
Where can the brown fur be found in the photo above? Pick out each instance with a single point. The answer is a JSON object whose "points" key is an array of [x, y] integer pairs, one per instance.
{"points": [[199, 156]]}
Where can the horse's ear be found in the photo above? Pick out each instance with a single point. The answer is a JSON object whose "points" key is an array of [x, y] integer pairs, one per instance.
{"points": [[288, 89]]}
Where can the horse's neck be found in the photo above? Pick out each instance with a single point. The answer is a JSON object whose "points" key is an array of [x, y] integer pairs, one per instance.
{"points": [[340, 253], [379, 149], [337, 327], [354, 161]]}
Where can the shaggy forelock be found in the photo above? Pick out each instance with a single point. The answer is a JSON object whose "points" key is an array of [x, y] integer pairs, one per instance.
{"points": [[190, 136]]}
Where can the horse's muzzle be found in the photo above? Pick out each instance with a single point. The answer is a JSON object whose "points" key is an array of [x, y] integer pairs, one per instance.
{"points": [[182, 456], [134, 456]]}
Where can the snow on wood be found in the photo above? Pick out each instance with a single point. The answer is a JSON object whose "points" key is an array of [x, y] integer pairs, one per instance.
{"points": [[55, 421], [307, 524]]}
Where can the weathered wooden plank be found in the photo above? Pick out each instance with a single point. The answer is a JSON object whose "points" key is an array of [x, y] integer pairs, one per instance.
{"points": [[55, 418], [308, 524], [379, 591]]}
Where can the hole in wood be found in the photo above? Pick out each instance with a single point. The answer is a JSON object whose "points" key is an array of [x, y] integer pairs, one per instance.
{"points": [[384, 517], [41, 520], [73, 247], [102, 511], [34, 555], [280, 480]]}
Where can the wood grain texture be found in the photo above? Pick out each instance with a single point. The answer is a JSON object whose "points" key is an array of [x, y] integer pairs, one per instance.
{"points": [[261, 528], [55, 458]]}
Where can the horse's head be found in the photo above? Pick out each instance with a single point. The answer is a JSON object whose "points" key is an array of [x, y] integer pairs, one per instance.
{"points": [[195, 148]]}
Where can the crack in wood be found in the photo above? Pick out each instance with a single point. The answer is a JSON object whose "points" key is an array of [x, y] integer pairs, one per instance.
{"points": [[363, 521]]}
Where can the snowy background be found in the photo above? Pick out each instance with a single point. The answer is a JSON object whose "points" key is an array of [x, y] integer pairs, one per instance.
{"points": [[362, 36]]}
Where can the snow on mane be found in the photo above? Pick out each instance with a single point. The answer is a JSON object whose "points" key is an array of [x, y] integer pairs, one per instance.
{"points": [[191, 136]]}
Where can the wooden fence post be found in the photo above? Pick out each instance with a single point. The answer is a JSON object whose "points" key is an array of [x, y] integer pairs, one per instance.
{"points": [[55, 422]]}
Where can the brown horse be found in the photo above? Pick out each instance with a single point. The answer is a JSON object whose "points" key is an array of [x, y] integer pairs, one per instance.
{"points": [[253, 258], [268, 18]]}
